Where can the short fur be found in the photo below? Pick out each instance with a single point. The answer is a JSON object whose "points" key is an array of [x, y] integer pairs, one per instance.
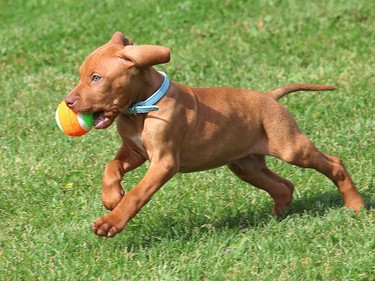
{"points": [[195, 129]]}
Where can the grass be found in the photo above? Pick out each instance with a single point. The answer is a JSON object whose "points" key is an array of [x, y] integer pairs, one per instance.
{"points": [[202, 226]]}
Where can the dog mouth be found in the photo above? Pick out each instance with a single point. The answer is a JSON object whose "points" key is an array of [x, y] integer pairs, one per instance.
{"points": [[101, 121]]}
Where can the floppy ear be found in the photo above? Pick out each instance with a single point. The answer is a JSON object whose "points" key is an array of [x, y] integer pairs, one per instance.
{"points": [[145, 55], [119, 38]]}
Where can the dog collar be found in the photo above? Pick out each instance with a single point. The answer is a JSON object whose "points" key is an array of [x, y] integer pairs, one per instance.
{"points": [[149, 104]]}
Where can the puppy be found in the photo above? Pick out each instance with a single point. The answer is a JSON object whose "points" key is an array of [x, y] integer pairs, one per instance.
{"points": [[178, 128]]}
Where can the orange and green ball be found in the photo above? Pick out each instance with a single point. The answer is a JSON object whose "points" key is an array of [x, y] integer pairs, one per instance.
{"points": [[73, 123]]}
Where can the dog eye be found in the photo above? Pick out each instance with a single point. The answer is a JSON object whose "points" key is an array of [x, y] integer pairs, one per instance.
{"points": [[96, 78]]}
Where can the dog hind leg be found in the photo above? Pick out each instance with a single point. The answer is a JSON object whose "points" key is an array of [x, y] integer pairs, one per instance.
{"points": [[300, 151], [253, 170]]}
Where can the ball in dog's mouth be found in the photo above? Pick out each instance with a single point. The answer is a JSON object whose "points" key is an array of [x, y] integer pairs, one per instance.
{"points": [[101, 121]]}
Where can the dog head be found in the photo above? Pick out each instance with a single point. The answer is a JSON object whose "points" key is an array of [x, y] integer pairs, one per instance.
{"points": [[111, 77]]}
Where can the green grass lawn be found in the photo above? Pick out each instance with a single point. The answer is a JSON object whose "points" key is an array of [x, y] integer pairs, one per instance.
{"points": [[202, 226]]}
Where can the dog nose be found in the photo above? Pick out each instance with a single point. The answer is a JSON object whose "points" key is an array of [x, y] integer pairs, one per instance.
{"points": [[70, 101]]}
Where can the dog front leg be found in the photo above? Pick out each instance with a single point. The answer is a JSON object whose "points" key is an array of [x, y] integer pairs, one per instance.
{"points": [[114, 222], [125, 161]]}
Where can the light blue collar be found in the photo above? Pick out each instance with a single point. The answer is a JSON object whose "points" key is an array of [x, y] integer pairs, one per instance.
{"points": [[149, 104]]}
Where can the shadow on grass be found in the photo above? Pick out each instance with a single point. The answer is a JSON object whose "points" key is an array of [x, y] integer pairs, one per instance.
{"points": [[177, 228], [320, 204]]}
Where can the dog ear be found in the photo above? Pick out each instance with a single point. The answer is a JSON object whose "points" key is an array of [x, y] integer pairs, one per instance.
{"points": [[146, 55], [119, 38]]}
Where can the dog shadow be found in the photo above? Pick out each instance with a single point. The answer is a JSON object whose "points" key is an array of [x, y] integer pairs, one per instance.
{"points": [[171, 228]]}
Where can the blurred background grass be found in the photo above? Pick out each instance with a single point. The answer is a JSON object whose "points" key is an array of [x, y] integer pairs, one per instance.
{"points": [[207, 225]]}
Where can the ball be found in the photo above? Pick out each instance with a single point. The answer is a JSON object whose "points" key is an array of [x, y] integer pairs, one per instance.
{"points": [[73, 123]]}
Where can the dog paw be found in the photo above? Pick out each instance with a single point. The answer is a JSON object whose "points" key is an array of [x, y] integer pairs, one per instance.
{"points": [[108, 226], [279, 211], [283, 201], [355, 203], [111, 199]]}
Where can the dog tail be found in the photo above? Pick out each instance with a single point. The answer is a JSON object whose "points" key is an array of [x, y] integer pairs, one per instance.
{"points": [[284, 90]]}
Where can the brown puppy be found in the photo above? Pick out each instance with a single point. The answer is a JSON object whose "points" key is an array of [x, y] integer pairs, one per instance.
{"points": [[191, 129]]}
